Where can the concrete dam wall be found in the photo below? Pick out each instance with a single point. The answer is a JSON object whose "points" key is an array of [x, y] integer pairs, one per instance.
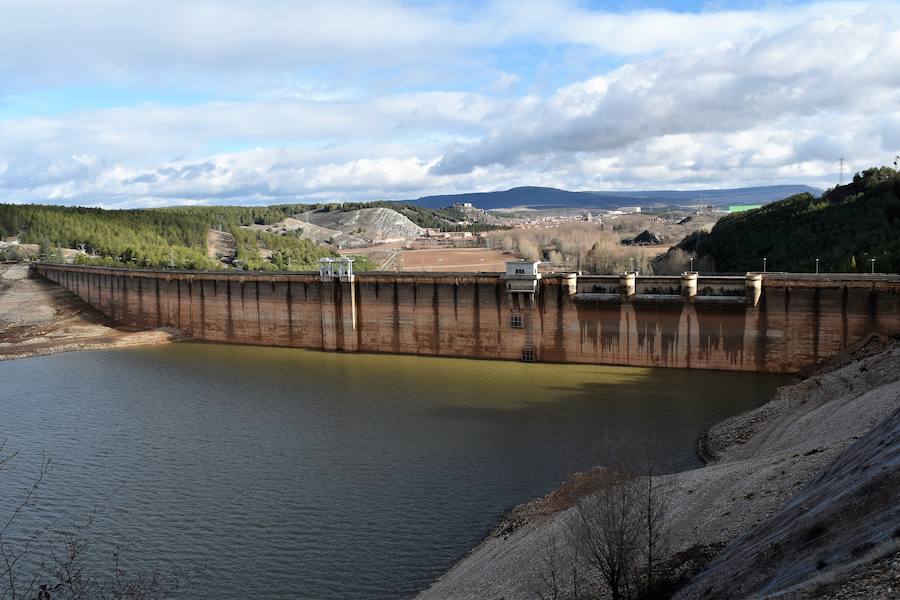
{"points": [[771, 322]]}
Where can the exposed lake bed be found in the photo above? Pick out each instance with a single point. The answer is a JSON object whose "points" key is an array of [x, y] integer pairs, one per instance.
{"points": [[338, 475]]}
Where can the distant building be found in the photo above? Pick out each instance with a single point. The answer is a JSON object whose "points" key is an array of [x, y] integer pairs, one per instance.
{"points": [[629, 209], [522, 267]]}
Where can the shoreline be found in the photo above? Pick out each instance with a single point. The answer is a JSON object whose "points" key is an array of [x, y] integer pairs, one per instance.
{"points": [[757, 463], [742, 454], [39, 318], [144, 338]]}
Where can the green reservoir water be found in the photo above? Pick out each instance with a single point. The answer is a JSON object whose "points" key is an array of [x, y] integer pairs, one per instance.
{"points": [[289, 473]]}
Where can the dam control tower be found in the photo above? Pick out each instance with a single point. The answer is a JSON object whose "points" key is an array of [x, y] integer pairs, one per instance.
{"points": [[522, 285]]}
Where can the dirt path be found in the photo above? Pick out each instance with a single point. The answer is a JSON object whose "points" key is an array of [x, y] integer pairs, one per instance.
{"points": [[220, 246], [39, 317]]}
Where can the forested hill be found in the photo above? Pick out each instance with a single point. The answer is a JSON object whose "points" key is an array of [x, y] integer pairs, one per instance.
{"points": [[165, 237], [845, 228]]}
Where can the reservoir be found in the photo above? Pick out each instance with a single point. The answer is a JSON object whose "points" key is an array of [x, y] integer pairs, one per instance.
{"points": [[290, 473]]}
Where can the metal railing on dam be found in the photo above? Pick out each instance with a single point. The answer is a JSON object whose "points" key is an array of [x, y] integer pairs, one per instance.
{"points": [[770, 322]]}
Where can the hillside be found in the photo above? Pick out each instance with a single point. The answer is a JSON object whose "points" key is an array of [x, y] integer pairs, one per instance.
{"points": [[445, 217], [374, 225], [844, 229], [542, 197], [310, 231], [170, 237], [280, 237], [843, 520]]}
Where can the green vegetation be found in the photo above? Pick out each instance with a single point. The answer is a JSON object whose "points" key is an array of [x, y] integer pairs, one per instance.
{"points": [[160, 238], [283, 252], [445, 219], [845, 228], [177, 237]]}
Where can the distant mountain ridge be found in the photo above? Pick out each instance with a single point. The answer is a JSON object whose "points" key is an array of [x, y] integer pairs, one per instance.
{"points": [[544, 197]]}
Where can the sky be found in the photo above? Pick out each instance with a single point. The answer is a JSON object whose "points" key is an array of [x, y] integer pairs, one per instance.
{"points": [[174, 102]]}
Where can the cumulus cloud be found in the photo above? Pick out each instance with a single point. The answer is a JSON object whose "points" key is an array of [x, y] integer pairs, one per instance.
{"points": [[384, 99], [820, 67], [100, 38]]}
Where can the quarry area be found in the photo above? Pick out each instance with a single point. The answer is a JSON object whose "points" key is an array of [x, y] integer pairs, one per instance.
{"points": [[38, 317], [800, 499]]}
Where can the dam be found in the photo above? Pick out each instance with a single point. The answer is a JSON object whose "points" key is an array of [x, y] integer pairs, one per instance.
{"points": [[761, 322]]}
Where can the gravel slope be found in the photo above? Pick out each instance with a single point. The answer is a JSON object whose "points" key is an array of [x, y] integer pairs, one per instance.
{"points": [[377, 225]]}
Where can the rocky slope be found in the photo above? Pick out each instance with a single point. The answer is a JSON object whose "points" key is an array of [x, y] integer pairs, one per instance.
{"points": [[847, 516], [473, 214], [220, 246], [767, 481], [316, 233], [375, 225]]}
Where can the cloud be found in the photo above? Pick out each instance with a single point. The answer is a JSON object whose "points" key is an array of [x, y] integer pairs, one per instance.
{"points": [[391, 100], [104, 40], [817, 67]]}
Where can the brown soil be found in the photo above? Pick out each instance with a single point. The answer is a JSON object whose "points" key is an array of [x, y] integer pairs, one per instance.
{"points": [[220, 245], [39, 317], [454, 259]]}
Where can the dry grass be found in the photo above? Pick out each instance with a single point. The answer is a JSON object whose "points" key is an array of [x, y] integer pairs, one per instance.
{"points": [[453, 259]]}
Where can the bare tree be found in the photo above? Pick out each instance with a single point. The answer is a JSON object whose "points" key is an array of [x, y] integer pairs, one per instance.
{"points": [[557, 576], [608, 529], [622, 526], [35, 565]]}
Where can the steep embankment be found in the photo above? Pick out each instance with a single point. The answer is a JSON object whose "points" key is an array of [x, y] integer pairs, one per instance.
{"points": [[38, 317], [316, 233], [376, 225], [768, 482], [220, 246], [845, 228], [847, 517]]}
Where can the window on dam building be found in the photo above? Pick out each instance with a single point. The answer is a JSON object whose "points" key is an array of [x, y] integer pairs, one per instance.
{"points": [[517, 321], [528, 355]]}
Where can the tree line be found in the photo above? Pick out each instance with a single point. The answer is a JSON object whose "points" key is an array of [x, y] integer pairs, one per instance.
{"points": [[160, 238], [845, 229], [177, 237], [445, 219]]}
